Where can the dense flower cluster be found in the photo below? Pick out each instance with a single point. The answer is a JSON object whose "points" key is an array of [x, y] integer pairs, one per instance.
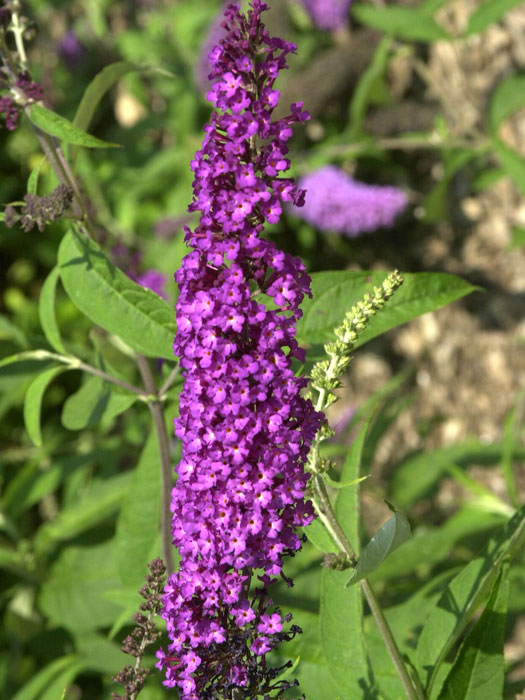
{"points": [[337, 202], [329, 15], [244, 426]]}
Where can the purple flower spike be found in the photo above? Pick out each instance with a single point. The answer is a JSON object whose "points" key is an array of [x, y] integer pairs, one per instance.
{"points": [[336, 202], [71, 49], [329, 15], [153, 280], [245, 428]]}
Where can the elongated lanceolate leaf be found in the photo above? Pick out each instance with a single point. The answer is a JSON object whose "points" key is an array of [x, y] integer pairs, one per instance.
{"points": [[508, 97], [478, 671], [113, 301], [462, 597], [487, 13], [96, 90], [342, 635], [37, 685], [139, 519], [392, 535], [334, 293], [401, 22], [32, 182], [46, 311], [33, 402], [61, 128]]}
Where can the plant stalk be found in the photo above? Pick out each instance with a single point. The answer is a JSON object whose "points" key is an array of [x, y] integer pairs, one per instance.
{"points": [[157, 415]]}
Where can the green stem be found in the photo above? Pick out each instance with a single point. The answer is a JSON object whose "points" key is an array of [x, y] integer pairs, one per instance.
{"points": [[324, 508], [157, 415]]}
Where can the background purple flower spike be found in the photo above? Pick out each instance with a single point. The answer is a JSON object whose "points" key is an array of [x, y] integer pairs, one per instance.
{"points": [[329, 15], [336, 202]]}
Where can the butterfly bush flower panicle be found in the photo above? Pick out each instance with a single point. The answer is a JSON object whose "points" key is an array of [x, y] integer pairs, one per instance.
{"points": [[329, 15], [336, 202], [245, 428]]}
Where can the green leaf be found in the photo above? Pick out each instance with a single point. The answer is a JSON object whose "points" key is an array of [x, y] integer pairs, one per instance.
{"points": [[334, 293], [96, 90], [342, 638], [38, 684], [490, 11], [100, 502], [33, 402], [113, 301], [400, 22], [319, 537], [414, 477], [9, 330], [46, 311], [60, 127], [512, 162], [394, 533], [518, 237], [479, 669], [139, 519], [508, 97], [361, 94], [347, 503], [72, 595], [93, 402], [99, 654], [342, 608], [32, 182], [462, 597]]}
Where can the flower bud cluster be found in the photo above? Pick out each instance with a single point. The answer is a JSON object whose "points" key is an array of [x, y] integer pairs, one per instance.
{"points": [[144, 634], [24, 93], [39, 211], [325, 375], [245, 428]]}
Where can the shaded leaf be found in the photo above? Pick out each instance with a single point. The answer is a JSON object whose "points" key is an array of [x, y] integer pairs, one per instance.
{"points": [[462, 597], [138, 523], [479, 669], [93, 402], [60, 127], [98, 503], [33, 402], [38, 684], [46, 311], [334, 293], [113, 301], [414, 477], [394, 533], [72, 595]]}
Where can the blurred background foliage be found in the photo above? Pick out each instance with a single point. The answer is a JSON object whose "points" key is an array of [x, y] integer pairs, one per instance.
{"points": [[424, 96]]}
